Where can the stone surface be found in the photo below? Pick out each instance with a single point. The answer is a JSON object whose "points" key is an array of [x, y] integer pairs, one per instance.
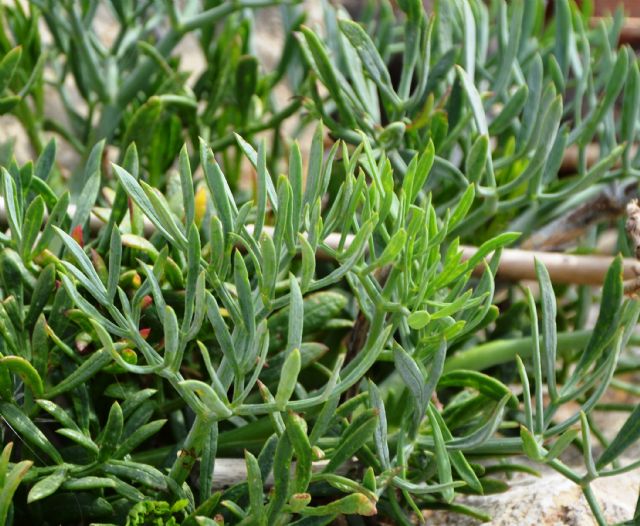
{"points": [[550, 500]]}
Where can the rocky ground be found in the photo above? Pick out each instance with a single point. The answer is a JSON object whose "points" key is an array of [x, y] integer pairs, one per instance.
{"points": [[550, 500]]}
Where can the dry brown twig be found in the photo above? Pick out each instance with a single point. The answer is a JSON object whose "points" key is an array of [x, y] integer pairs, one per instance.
{"points": [[515, 264], [566, 230], [632, 226]]}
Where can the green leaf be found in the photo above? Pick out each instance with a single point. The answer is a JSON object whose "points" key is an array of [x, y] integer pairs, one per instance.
{"points": [[288, 379], [484, 432], [419, 319], [7, 104], [186, 182], [484, 384], [8, 66], [46, 161], [207, 464], [508, 54], [630, 107], [47, 486], [391, 252], [58, 413], [269, 267], [97, 288], [31, 227], [615, 82], [42, 293], [308, 263], [563, 33], [115, 259], [354, 504], [352, 440], [164, 215], [315, 53], [607, 323], [28, 431], [443, 464], [296, 429], [324, 419], [111, 434], [89, 368], [222, 332], [171, 339], [295, 180], [56, 219], [561, 444], [281, 475], [211, 401], [487, 247], [530, 445], [137, 194], [245, 295], [218, 187], [255, 161], [246, 80], [458, 460], [314, 168], [416, 178], [89, 483], [371, 59], [25, 371], [11, 204], [511, 109], [469, 46], [549, 329], [194, 256], [142, 473], [86, 197], [474, 100], [143, 122], [261, 185], [463, 207], [627, 436], [531, 109], [254, 482], [10, 485], [414, 379], [296, 315]]}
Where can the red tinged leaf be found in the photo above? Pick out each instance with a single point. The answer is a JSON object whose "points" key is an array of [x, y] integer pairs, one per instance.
{"points": [[146, 302], [78, 236]]}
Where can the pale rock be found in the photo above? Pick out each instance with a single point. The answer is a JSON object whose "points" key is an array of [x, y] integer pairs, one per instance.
{"points": [[550, 500]]}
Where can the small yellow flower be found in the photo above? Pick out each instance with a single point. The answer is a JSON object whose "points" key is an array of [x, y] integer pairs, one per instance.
{"points": [[201, 205]]}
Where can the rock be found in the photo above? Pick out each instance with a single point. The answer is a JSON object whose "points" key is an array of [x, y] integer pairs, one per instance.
{"points": [[550, 500]]}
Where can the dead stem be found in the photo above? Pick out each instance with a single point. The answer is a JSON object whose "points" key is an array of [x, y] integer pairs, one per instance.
{"points": [[515, 264]]}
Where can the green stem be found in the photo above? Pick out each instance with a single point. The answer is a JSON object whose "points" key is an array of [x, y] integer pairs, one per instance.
{"points": [[28, 121], [620, 470], [191, 449], [53, 126], [594, 505], [565, 470], [276, 119]]}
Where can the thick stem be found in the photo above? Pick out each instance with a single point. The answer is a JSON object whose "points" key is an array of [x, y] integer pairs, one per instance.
{"points": [[192, 448], [501, 351], [594, 505]]}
